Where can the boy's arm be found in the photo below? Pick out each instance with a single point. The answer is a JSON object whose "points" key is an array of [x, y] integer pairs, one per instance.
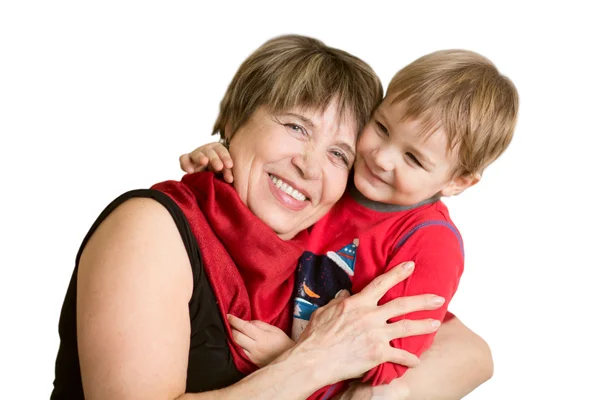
{"points": [[457, 362], [437, 252]]}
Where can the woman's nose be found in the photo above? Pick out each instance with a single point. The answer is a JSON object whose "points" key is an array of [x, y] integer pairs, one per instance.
{"points": [[308, 165]]}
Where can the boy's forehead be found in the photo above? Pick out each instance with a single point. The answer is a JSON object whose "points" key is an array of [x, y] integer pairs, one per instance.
{"points": [[423, 124]]}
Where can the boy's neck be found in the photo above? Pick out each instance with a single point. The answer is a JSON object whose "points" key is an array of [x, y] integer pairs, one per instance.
{"points": [[384, 207]]}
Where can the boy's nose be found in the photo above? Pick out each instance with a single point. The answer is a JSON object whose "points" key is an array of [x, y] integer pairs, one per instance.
{"points": [[383, 160]]}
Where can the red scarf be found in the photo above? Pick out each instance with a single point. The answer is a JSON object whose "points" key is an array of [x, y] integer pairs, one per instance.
{"points": [[250, 269]]}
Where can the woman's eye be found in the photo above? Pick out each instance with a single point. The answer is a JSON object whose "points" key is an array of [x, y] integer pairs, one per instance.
{"points": [[341, 156], [296, 128], [414, 159]]}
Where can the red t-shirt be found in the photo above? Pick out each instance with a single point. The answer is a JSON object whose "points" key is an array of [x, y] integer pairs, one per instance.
{"points": [[360, 239]]}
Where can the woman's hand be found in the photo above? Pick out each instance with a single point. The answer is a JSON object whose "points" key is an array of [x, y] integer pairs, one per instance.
{"points": [[351, 334], [213, 156]]}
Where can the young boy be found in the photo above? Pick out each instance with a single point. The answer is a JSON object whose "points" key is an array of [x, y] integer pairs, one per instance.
{"points": [[445, 118]]}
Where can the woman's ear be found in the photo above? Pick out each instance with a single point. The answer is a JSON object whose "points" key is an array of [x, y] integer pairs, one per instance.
{"points": [[460, 184]]}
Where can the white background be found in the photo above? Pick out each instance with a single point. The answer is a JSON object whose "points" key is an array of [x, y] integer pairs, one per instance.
{"points": [[97, 99]]}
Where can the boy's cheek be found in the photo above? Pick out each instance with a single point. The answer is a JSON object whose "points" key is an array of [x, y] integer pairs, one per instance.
{"points": [[364, 143]]}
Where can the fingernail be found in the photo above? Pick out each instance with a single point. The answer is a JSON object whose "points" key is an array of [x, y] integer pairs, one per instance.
{"points": [[438, 301], [341, 292], [435, 324], [408, 266]]}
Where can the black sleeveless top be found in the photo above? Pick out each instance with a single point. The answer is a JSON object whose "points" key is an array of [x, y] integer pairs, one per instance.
{"points": [[210, 364]]}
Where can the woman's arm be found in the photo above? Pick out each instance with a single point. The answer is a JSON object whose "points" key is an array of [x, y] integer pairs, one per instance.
{"points": [[134, 285], [456, 364]]}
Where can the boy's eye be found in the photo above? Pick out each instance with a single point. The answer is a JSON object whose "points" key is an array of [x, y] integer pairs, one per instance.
{"points": [[381, 128], [414, 159]]}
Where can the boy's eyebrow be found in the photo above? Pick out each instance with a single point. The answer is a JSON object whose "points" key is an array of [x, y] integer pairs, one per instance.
{"points": [[381, 115]]}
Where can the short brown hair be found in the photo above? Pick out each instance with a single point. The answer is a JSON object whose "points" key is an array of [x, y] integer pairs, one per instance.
{"points": [[292, 70], [464, 93]]}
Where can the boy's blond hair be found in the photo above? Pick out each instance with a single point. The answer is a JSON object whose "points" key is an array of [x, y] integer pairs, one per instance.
{"points": [[462, 92], [298, 71]]}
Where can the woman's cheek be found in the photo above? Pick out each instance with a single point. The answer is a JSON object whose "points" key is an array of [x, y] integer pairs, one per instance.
{"points": [[336, 184]]}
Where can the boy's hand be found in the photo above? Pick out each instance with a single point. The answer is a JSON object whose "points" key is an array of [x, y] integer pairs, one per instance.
{"points": [[213, 156], [261, 342]]}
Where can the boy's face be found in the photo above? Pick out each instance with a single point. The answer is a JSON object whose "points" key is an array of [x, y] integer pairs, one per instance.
{"points": [[397, 164]]}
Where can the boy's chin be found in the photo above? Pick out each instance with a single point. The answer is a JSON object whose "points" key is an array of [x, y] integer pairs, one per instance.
{"points": [[367, 189]]}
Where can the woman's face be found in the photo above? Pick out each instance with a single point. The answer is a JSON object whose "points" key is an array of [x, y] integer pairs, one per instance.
{"points": [[291, 168]]}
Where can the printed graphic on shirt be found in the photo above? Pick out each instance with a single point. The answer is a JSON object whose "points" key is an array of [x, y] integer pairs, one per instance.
{"points": [[319, 279]]}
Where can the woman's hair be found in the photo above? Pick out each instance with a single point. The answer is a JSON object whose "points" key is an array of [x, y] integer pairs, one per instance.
{"points": [[298, 71]]}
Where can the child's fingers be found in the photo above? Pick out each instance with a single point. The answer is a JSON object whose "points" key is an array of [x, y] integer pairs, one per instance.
{"points": [[242, 340], [263, 325], [228, 175], [244, 327], [215, 160], [223, 154], [247, 354], [198, 158], [186, 164]]}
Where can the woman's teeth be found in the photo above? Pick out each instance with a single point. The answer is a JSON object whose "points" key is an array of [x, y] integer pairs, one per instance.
{"points": [[284, 187]]}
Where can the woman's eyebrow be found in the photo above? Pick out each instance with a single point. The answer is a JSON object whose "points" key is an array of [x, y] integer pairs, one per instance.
{"points": [[304, 119], [343, 145], [347, 148]]}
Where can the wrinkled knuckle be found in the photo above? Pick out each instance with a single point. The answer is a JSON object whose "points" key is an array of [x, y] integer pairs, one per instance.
{"points": [[377, 351], [405, 326], [345, 305], [317, 313], [378, 282], [399, 305]]}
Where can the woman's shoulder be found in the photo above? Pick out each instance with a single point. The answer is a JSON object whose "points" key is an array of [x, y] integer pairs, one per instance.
{"points": [[136, 230]]}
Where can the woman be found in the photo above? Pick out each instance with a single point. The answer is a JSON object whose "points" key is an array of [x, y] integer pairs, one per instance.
{"points": [[160, 269]]}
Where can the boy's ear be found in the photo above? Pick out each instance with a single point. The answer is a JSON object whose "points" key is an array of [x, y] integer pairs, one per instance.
{"points": [[460, 184]]}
